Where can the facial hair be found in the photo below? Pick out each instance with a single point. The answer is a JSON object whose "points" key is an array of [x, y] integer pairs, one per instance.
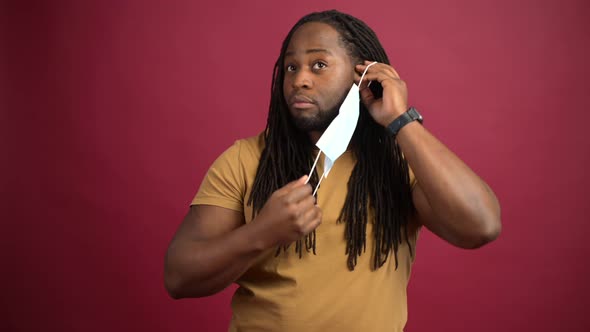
{"points": [[318, 122]]}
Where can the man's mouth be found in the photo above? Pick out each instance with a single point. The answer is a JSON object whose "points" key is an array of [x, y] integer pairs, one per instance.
{"points": [[301, 102]]}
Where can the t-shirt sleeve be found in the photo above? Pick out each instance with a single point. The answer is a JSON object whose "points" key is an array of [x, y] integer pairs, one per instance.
{"points": [[224, 183]]}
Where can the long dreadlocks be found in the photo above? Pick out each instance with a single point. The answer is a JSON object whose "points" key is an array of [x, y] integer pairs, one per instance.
{"points": [[380, 178]]}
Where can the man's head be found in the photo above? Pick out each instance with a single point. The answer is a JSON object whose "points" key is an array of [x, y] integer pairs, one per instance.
{"points": [[318, 71], [309, 97]]}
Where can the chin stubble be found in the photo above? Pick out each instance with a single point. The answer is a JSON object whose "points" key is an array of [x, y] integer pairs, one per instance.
{"points": [[318, 122]]}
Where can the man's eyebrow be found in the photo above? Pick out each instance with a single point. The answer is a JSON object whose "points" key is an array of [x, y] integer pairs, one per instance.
{"points": [[311, 50]]}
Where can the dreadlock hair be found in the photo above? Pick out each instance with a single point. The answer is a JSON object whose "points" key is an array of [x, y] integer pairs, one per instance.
{"points": [[380, 179]]}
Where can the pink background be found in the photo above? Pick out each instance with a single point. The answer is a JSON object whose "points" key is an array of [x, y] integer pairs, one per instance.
{"points": [[112, 111]]}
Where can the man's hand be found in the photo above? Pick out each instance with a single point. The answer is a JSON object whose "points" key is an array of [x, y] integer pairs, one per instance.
{"points": [[289, 214], [395, 93]]}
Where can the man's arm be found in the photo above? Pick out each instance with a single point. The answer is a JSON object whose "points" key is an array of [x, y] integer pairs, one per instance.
{"points": [[450, 199], [209, 251], [213, 246]]}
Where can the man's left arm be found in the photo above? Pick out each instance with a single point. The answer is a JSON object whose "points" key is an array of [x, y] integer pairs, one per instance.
{"points": [[450, 199]]}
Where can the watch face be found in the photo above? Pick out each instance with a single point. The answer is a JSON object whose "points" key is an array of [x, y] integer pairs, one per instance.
{"points": [[415, 115]]}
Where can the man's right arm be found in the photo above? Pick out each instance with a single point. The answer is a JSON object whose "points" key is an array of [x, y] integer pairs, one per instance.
{"points": [[213, 246], [210, 250]]}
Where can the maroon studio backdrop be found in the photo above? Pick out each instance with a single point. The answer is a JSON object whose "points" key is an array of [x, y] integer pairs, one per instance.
{"points": [[112, 112]]}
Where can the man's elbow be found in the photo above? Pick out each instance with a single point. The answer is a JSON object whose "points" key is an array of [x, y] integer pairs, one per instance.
{"points": [[488, 231], [181, 288], [172, 286], [176, 284]]}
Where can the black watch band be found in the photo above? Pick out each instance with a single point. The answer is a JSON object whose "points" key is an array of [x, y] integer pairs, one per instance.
{"points": [[410, 115]]}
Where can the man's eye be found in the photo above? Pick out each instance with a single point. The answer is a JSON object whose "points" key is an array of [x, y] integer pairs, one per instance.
{"points": [[290, 68], [319, 65]]}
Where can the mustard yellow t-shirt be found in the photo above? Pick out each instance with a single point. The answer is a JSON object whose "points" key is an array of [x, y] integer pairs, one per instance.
{"points": [[316, 292]]}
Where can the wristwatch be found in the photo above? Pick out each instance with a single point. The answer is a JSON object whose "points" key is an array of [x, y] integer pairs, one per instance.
{"points": [[410, 115]]}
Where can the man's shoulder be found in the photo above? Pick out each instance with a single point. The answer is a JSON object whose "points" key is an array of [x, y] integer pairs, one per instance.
{"points": [[249, 148], [255, 142]]}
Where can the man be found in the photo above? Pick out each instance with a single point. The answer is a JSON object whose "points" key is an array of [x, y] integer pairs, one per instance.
{"points": [[340, 263]]}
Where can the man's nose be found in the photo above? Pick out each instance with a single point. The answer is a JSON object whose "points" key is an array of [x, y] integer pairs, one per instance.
{"points": [[303, 79]]}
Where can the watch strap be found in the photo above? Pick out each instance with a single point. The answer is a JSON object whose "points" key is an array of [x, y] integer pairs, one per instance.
{"points": [[409, 116]]}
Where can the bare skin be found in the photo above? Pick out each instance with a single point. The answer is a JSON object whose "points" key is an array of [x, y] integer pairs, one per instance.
{"points": [[214, 246]]}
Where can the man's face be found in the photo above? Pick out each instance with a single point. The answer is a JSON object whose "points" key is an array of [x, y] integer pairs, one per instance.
{"points": [[318, 75]]}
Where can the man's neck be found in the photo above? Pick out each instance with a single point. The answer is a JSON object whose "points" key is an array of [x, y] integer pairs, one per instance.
{"points": [[314, 136]]}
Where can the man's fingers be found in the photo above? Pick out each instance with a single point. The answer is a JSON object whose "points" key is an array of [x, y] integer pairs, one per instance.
{"points": [[307, 202], [367, 96], [383, 66], [314, 218], [298, 193], [379, 76], [382, 70], [293, 184]]}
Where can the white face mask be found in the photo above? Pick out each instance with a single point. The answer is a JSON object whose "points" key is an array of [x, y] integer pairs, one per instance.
{"points": [[337, 136]]}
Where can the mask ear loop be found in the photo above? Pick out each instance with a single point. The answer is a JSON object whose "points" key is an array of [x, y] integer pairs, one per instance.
{"points": [[318, 186], [364, 72], [312, 169]]}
